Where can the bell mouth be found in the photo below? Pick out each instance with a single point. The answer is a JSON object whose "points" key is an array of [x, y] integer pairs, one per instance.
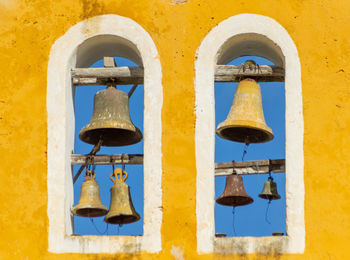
{"points": [[90, 212], [269, 196], [234, 201], [239, 132], [122, 219], [111, 136]]}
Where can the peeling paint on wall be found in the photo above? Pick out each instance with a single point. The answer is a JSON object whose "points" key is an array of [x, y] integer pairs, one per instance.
{"points": [[177, 252]]}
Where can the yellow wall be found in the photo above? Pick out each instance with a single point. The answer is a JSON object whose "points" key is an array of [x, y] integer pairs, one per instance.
{"points": [[320, 30]]}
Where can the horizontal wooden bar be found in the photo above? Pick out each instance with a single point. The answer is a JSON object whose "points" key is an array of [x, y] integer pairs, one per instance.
{"points": [[221, 169], [250, 167], [134, 75], [102, 76], [107, 159], [232, 73]]}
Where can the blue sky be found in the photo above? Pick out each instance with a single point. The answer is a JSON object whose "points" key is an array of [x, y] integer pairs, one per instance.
{"points": [[250, 219]]}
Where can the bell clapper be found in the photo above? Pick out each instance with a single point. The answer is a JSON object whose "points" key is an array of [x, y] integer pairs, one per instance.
{"points": [[245, 150], [119, 226]]}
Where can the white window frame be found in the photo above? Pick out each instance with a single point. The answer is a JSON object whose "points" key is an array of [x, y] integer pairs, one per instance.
{"points": [[118, 35], [266, 38]]}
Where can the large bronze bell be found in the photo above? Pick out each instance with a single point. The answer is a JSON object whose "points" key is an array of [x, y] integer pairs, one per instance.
{"points": [[111, 120], [269, 191], [234, 194], [89, 203], [121, 209], [245, 122]]}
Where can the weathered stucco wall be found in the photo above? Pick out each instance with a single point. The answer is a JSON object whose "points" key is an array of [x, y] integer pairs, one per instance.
{"points": [[320, 31]]}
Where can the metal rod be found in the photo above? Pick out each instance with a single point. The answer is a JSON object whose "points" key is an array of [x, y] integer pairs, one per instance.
{"points": [[132, 90], [91, 154]]}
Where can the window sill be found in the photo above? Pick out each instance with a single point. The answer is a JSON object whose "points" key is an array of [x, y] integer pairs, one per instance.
{"points": [[99, 244], [247, 245]]}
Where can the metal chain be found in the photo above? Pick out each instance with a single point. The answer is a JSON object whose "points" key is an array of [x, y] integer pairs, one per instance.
{"points": [[266, 213], [233, 220], [98, 231], [245, 151]]}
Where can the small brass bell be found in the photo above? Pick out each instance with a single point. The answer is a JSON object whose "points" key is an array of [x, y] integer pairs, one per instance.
{"points": [[269, 191], [121, 209], [89, 203], [111, 120], [245, 122], [234, 194]]}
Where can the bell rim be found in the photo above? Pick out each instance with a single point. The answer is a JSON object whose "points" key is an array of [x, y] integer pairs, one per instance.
{"points": [[98, 124], [245, 123], [247, 198], [267, 197], [137, 137], [101, 210], [133, 218]]}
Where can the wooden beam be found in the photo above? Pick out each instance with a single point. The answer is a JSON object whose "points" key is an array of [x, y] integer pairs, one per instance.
{"points": [[100, 76], [134, 75], [109, 62], [250, 167], [108, 159], [221, 169], [265, 73]]}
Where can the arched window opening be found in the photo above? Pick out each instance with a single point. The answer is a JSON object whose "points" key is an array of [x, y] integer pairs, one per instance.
{"points": [[259, 218], [83, 108], [69, 109], [255, 36]]}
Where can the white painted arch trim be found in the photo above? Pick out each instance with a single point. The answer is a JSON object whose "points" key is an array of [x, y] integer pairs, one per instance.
{"points": [[60, 109], [208, 54]]}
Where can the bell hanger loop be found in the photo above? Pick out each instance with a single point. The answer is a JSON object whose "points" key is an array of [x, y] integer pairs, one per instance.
{"points": [[90, 175], [109, 62], [111, 83], [119, 175]]}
